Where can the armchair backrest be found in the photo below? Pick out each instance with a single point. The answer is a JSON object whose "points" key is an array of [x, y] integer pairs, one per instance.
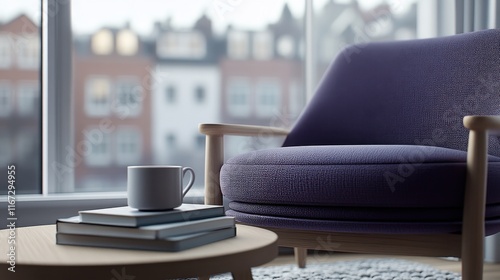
{"points": [[413, 92]]}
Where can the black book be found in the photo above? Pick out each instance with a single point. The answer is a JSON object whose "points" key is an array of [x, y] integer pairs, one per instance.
{"points": [[130, 217]]}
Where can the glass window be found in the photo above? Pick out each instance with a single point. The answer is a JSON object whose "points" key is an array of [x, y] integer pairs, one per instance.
{"points": [[128, 94], [199, 94], [28, 51], [181, 65], [128, 146], [190, 45], [239, 97], [98, 96], [171, 94], [6, 43], [238, 45], [102, 42], [95, 147], [6, 103], [268, 98], [263, 45], [28, 98], [127, 42]]}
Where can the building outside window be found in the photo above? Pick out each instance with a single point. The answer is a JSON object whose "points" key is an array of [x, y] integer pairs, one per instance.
{"points": [[190, 45], [199, 94], [102, 42], [5, 99], [128, 94], [171, 94], [127, 43], [262, 45], [268, 94], [128, 146], [171, 141], [97, 152], [5, 50], [28, 98], [28, 51], [238, 45], [238, 103], [98, 96]]}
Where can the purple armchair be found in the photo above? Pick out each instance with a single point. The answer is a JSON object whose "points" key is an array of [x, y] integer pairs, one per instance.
{"points": [[380, 160]]}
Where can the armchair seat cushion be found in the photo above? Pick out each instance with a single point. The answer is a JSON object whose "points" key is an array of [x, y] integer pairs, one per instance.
{"points": [[363, 189], [370, 176]]}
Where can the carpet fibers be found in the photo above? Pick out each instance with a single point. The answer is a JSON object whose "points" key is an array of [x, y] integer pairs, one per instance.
{"points": [[366, 269]]}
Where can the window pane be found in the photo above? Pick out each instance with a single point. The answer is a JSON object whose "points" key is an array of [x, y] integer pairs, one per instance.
{"points": [[152, 71], [342, 23], [20, 100]]}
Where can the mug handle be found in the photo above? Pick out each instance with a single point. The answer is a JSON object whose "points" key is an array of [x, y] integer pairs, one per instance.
{"points": [[191, 181]]}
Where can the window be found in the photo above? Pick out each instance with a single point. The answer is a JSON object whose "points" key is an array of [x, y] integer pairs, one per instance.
{"points": [[171, 94], [199, 94], [128, 146], [144, 35], [171, 141], [5, 149], [5, 50], [127, 42], [268, 98], [128, 97], [262, 45], [28, 98], [102, 42], [190, 45], [200, 141], [286, 46], [238, 103], [238, 45], [28, 51], [5, 99], [98, 96], [95, 147]]}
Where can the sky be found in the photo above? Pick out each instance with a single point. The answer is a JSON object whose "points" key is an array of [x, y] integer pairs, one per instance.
{"points": [[90, 15]]}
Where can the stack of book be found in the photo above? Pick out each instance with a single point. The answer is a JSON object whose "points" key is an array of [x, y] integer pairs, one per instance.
{"points": [[185, 227]]}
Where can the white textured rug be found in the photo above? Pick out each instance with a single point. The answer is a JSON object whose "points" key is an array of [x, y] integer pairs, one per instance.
{"points": [[365, 269]]}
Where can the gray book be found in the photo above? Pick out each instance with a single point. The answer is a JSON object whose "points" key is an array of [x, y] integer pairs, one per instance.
{"points": [[130, 217], [169, 244], [74, 225]]}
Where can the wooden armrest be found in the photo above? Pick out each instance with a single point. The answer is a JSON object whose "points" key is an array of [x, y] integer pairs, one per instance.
{"points": [[240, 130], [481, 123], [214, 152]]}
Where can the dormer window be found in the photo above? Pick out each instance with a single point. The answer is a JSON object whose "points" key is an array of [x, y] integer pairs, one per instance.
{"points": [[187, 45], [262, 45], [237, 45], [102, 42], [127, 43]]}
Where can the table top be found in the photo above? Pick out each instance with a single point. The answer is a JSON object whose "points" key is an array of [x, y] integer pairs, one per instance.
{"points": [[36, 250]]}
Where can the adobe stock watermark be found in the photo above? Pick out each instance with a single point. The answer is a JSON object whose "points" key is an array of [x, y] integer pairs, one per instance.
{"points": [[223, 7], [325, 248], [488, 90], [121, 275]]}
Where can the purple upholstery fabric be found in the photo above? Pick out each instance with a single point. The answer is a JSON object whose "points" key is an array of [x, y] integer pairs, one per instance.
{"points": [[339, 213], [353, 176], [491, 227], [383, 131], [412, 92]]}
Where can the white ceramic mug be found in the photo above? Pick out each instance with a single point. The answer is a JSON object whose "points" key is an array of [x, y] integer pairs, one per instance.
{"points": [[159, 187]]}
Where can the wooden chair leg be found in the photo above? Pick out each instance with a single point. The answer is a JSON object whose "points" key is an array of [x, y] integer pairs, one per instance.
{"points": [[300, 256], [242, 274]]}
